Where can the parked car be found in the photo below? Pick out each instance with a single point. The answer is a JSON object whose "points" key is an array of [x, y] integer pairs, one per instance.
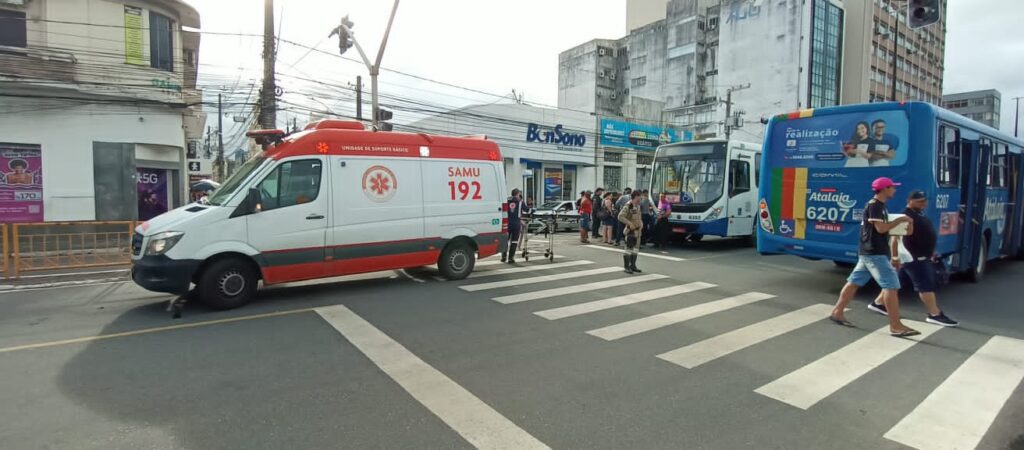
{"points": [[568, 216]]}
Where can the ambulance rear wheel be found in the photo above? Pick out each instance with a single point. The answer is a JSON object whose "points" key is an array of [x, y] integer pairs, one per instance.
{"points": [[227, 284], [457, 261]]}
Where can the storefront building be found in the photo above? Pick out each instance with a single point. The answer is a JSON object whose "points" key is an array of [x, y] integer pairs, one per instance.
{"points": [[549, 153]]}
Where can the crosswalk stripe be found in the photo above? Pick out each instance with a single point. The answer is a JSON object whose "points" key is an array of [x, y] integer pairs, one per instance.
{"points": [[649, 255], [548, 293], [812, 383], [633, 327], [710, 349], [531, 268], [526, 281], [615, 302], [465, 413], [494, 261], [959, 412]]}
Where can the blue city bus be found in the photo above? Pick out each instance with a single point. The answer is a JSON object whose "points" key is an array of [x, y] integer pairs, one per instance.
{"points": [[818, 166], [711, 185]]}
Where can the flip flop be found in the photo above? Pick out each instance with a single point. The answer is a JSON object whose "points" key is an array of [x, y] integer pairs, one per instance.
{"points": [[843, 322], [905, 333]]}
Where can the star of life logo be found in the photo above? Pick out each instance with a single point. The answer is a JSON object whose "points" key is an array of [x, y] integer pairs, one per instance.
{"points": [[379, 184]]}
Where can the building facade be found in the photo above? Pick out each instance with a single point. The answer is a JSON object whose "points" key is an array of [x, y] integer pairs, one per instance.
{"points": [[553, 154], [886, 60], [99, 107], [980, 106], [680, 70]]}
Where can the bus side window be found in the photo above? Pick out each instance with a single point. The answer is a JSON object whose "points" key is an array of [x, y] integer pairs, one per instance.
{"points": [[948, 157], [998, 173], [739, 177], [757, 169]]}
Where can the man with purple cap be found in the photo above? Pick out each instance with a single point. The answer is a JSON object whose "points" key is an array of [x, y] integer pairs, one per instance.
{"points": [[874, 259]]}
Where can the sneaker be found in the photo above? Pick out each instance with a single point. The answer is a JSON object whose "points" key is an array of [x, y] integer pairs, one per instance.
{"points": [[878, 308], [941, 319]]}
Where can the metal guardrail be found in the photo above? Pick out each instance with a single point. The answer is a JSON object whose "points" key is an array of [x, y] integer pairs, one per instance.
{"points": [[34, 247]]}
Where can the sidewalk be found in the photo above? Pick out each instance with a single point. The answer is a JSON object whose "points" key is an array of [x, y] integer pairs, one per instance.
{"points": [[60, 278]]}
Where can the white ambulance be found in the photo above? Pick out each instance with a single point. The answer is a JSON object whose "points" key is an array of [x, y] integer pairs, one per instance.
{"points": [[330, 200]]}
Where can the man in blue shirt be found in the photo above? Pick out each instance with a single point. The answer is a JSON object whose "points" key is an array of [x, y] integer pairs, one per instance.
{"points": [[881, 146]]}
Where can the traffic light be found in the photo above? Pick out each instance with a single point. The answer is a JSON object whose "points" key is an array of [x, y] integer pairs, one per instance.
{"points": [[344, 36], [383, 116], [921, 13]]}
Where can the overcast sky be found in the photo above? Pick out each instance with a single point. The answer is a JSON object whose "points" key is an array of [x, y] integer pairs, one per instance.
{"points": [[497, 46]]}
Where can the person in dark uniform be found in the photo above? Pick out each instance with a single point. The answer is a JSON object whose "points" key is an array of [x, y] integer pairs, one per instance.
{"points": [[516, 208], [921, 246], [596, 217]]}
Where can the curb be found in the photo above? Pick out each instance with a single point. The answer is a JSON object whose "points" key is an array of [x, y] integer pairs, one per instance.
{"points": [[56, 284]]}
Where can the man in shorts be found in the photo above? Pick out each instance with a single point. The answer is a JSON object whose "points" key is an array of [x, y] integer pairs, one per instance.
{"points": [[921, 247], [873, 260]]}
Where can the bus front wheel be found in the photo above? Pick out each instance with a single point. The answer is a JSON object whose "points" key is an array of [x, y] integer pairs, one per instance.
{"points": [[976, 274]]}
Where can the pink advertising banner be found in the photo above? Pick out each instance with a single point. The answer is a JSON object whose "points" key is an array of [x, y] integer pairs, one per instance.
{"points": [[21, 183]]}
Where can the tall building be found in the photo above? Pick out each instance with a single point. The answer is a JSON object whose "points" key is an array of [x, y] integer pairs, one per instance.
{"points": [[886, 60], [772, 56], [980, 106], [99, 106]]}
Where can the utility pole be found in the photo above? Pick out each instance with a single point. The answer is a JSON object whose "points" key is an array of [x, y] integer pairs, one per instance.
{"points": [[220, 140], [895, 56], [1016, 115], [268, 94], [346, 39], [359, 97], [728, 105]]}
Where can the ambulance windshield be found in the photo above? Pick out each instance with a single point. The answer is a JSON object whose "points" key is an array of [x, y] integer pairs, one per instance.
{"points": [[221, 195]]}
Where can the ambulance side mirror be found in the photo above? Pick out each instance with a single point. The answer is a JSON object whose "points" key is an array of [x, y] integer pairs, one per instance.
{"points": [[251, 204]]}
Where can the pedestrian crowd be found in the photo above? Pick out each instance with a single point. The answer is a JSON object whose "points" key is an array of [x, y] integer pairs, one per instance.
{"points": [[888, 250]]}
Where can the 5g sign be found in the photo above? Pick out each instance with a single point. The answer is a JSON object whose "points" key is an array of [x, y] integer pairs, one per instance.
{"points": [[149, 178]]}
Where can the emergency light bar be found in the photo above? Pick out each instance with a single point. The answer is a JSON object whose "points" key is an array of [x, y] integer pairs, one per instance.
{"points": [[264, 137]]}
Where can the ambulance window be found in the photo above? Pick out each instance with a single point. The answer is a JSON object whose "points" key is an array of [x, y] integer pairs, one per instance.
{"points": [[292, 183]]}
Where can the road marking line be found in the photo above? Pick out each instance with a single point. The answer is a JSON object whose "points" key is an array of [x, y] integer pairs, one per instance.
{"points": [[959, 412], [649, 255], [152, 330], [474, 420], [494, 262], [810, 384], [525, 281], [633, 327], [615, 302], [548, 293], [707, 350], [532, 268]]}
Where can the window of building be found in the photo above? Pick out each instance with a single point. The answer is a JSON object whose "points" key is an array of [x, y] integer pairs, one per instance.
{"points": [[644, 160], [569, 184], [948, 167], [13, 31], [637, 82], [643, 178], [161, 42], [613, 156], [292, 183], [612, 178]]}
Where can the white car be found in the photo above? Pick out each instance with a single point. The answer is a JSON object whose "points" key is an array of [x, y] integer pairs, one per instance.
{"points": [[568, 217]]}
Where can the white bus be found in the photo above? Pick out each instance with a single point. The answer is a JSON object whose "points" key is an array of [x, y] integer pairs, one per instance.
{"points": [[711, 185]]}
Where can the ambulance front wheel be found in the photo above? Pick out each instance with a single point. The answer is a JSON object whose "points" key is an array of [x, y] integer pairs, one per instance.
{"points": [[227, 284], [457, 261]]}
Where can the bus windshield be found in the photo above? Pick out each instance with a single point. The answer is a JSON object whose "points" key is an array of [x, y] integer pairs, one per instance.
{"points": [[221, 195], [695, 175]]}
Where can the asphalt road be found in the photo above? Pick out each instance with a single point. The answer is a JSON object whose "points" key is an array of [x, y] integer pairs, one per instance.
{"points": [[713, 347]]}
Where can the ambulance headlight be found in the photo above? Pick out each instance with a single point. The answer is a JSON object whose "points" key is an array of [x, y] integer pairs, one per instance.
{"points": [[714, 215], [163, 242]]}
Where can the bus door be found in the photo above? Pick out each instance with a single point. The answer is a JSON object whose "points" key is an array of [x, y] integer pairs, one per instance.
{"points": [[1016, 213], [740, 204], [973, 182]]}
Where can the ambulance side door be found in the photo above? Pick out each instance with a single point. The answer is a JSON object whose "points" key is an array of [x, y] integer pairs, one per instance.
{"points": [[376, 215], [290, 229]]}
